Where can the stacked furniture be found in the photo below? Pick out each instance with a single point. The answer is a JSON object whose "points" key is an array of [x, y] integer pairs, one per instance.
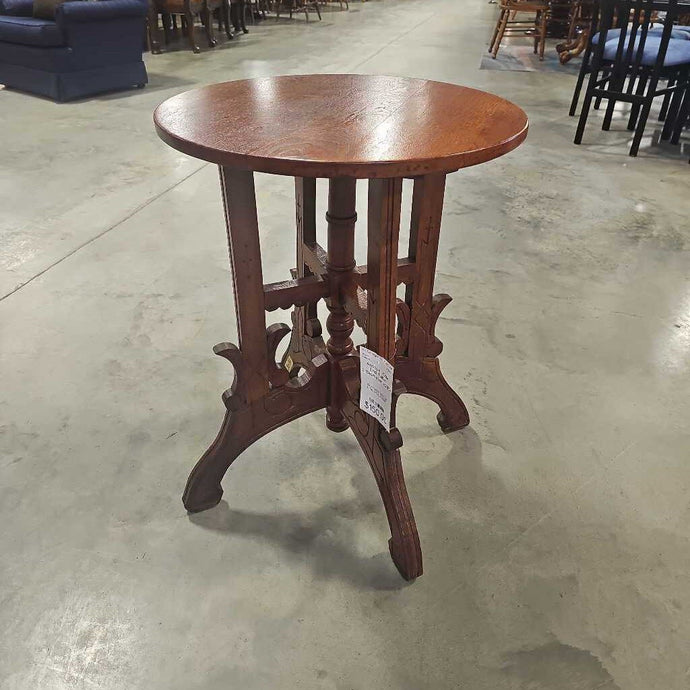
{"points": [[87, 48], [227, 12], [630, 59]]}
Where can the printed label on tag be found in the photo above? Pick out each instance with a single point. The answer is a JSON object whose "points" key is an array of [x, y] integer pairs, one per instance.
{"points": [[376, 375], [288, 363]]}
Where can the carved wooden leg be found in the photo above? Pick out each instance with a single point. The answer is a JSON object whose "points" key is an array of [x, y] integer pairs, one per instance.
{"points": [[261, 398], [416, 364], [382, 451], [382, 447], [247, 422], [341, 217], [306, 341]]}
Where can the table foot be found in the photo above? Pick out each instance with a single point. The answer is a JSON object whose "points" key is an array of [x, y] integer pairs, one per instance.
{"points": [[417, 365], [335, 421], [424, 377], [247, 421], [382, 450]]}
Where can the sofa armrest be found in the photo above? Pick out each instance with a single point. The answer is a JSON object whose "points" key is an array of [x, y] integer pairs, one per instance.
{"points": [[81, 12], [17, 8]]}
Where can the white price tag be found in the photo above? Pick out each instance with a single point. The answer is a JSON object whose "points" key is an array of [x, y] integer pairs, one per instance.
{"points": [[376, 395]]}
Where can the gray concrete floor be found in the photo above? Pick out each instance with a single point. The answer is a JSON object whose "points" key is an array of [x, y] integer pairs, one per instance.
{"points": [[554, 529]]}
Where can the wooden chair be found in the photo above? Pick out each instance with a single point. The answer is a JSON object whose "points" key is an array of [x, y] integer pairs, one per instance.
{"points": [[189, 10], [298, 6], [508, 23]]}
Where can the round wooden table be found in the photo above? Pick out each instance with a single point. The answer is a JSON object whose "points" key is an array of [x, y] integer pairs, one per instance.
{"points": [[341, 127]]}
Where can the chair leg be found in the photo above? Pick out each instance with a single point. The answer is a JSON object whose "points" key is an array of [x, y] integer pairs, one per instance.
{"points": [[585, 107], [667, 99], [672, 114], [644, 114], [597, 101], [152, 30], [207, 21], [616, 86], [241, 13], [635, 108], [225, 17], [494, 36], [189, 18], [682, 118], [542, 40], [501, 32], [578, 86], [165, 20]]}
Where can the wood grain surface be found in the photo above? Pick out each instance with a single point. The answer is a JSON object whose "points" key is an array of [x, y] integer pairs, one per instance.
{"points": [[334, 125]]}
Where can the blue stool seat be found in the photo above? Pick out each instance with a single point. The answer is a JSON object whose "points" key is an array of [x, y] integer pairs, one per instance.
{"points": [[680, 32], [677, 53]]}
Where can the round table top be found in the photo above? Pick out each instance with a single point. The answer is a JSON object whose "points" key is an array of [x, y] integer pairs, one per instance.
{"points": [[333, 125]]}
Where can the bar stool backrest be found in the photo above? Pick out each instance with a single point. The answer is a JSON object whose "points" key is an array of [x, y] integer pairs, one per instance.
{"points": [[631, 20]]}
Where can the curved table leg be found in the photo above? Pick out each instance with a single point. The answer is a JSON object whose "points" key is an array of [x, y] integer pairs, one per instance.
{"points": [[381, 448], [423, 377], [246, 422], [417, 349]]}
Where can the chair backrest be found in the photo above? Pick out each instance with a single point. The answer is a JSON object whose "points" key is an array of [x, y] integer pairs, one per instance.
{"points": [[629, 22]]}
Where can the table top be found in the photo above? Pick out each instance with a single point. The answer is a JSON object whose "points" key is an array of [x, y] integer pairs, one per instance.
{"points": [[332, 125]]}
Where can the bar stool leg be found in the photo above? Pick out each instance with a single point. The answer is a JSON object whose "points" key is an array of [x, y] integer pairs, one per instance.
{"points": [[417, 364], [262, 396], [380, 446]]}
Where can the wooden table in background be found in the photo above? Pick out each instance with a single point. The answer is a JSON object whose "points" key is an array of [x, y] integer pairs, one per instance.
{"points": [[339, 127]]}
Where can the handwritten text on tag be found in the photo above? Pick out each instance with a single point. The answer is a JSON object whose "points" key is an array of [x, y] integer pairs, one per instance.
{"points": [[376, 375]]}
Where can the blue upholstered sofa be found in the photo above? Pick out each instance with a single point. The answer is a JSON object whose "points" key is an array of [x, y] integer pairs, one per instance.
{"points": [[89, 48]]}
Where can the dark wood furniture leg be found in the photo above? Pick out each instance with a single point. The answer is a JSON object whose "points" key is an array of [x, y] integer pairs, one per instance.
{"points": [[152, 29], [340, 264], [189, 19], [306, 341], [225, 18], [416, 364], [262, 396], [381, 447], [207, 21], [237, 16]]}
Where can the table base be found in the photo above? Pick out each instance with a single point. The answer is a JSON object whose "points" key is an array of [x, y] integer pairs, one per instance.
{"points": [[315, 374]]}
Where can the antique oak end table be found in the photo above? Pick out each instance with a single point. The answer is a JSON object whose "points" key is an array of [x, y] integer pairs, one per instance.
{"points": [[342, 127]]}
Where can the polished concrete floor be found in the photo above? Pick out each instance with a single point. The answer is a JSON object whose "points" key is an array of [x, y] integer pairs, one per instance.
{"points": [[555, 529]]}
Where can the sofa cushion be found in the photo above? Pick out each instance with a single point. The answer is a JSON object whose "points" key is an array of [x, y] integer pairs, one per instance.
{"points": [[30, 31]]}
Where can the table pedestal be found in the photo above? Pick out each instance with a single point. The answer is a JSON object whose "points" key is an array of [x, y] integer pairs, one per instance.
{"points": [[315, 374]]}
